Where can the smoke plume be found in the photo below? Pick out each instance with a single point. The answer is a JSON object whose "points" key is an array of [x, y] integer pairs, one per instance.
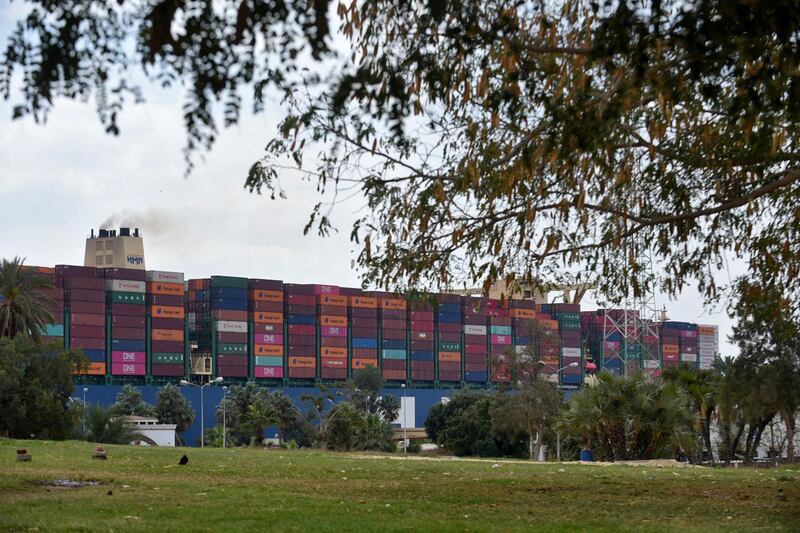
{"points": [[151, 222]]}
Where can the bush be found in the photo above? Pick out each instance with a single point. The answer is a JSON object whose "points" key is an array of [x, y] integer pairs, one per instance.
{"points": [[414, 446]]}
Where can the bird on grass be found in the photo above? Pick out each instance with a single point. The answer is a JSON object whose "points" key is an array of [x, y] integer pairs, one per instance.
{"points": [[183, 460]]}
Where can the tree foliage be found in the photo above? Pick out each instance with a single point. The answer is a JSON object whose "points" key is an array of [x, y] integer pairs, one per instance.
{"points": [[631, 417], [24, 306], [532, 411], [35, 389], [489, 137], [172, 407], [702, 390], [129, 402], [102, 425]]}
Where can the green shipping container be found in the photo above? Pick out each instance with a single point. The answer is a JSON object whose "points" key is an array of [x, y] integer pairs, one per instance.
{"points": [[449, 346], [227, 348], [570, 325], [574, 317], [500, 330], [164, 358], [53, 330], [394, 354], [228, 281], [267, 360], [126, 298]]}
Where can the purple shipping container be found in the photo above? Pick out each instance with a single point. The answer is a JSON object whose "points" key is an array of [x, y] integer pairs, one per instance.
{"points": [[333, 342], [365, 333], [363, 312], [300, 299], [130, 322], [333, 310], [422, 345], [294, 309], [89, 332], [396, 334], [302, 350], [87, 295], [232, 337], [475, 358], [95, 308], [394, 324], [267, 307], [422, 365], [128, 357], [393, 314], [326, 289], [449, 375], [128, 369], [333, 373], [232, 360], [172, 300], [358, 322], [232, 372], [124, 273], [365, 353], [448, 336], [79, 284], [422, 375], [450, 327]]}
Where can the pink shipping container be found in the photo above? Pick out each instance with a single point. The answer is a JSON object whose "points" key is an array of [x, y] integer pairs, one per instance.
{"points": [[501, 339], [127, 357], [266, 372], [268, 339], [127, 369], [326, 289], [333, 331]]}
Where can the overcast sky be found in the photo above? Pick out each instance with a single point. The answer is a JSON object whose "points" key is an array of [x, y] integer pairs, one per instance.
{"points": [[60, 180]]}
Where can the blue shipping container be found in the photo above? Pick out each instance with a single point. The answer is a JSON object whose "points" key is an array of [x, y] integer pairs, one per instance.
{"points": [[127, 345], [302, 320], [475, 376], [364, 343], [422, 355], [393, 344]]}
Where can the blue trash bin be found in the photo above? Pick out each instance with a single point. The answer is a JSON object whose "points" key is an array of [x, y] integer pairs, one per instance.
{"points": [[586, 455]]}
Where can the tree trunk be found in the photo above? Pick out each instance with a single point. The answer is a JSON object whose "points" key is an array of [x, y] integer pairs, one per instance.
{"points": [[789, 422], [538, 447], [707, 433], [531, 447]]}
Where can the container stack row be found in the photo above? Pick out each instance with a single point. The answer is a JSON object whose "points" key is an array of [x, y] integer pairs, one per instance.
{"points": [[166, 293], [85, 301], [229, 322], [707, 345], [302, 343], [394, 345], [333, 328], [363, 315], [500, 342], [265, 305], [421, 327], [450, 317], [125, 303], [53, 331]]}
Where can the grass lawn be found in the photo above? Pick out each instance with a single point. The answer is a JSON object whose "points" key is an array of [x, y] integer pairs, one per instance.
{"points": [[145, 489]]}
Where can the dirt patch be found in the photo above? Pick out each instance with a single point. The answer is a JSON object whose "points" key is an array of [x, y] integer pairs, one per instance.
{"points": [[65, 483]]}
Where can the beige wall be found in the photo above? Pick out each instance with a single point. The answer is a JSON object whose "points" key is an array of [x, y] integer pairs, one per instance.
{"points": [[115, 252]]}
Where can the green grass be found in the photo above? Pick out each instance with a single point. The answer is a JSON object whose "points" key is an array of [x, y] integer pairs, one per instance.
{"points": [[313, 490]]}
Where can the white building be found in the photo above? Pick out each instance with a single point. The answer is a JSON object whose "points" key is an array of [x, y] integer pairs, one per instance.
{"points": [[152, 433]]}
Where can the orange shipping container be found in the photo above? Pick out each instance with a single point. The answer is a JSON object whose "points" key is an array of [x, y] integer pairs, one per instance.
{"points": [[269, 349], [453, 357], [522, 313], [266, 296], [303, 362], [163, 311], [94, 369], [168, 335], [156, 287], [364, 363], [706, 330], [327, 351], [669, 348], [331, 320], [269, 318], [393, 303], [550, 324], [364, 302], [332, 299]]}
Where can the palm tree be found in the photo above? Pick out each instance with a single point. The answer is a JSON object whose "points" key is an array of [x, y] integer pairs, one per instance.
{"points": [[102, 426], [258, 416], [286, 412], [24, 309]]}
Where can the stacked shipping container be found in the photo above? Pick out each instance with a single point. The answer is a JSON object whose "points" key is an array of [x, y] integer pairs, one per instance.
{"points": [[707, 345], [265, 298], [53, 331], [363, 312], [394, 347], [300, 311], [166, 311], [125, 303], [450, 318], [84, 300], [476, 337], [569, 330], [229, 306], [422, 349], [332, 313], [500, 340]]}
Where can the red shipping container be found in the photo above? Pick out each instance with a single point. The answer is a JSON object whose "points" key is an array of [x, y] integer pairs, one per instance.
{"points": [[267, 328], [302, 340], [421, 365], [136, 334], [296, 309], [126, 309], [269, 307], [297, 329], [475, 358], [95, 308], [300, 350], [475, 348], [86, 319], [370, 323], [333, 363], [421, 316], [422, 335], [229, 314], [446, 336], [394, 364], [418, 325], [394, 375], [166, 370], [449, 376], [79, 284], [393, 324], [448, 366], [167, 346], [87, 343], [232, 372], [364, 333], [91, 332], [128, 322], [449, 327], [335, 310], [394, 334], [87, 295], [421, 375], [365, 353], [232, 336], [165, 323], [232, 360], [335, 342], [164, 299], [300, 299], [363, 312], [422, 345], [302, 372]]}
